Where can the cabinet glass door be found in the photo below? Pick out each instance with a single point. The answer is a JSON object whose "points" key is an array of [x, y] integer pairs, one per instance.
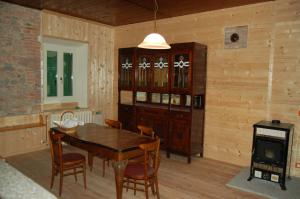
{"points": [[144, 70], [126, 71], [160, 72], [181, 65]]}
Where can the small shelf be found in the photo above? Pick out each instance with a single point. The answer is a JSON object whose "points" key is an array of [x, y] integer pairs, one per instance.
{"points": [[181, 109], [152, 106], [23, 126]]}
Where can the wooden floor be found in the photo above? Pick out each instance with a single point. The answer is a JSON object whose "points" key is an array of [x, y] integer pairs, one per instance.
{"points": [[202, 179]]}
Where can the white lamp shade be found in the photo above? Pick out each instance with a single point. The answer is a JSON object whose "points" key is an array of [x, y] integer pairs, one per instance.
{"points": [[154, 41]]}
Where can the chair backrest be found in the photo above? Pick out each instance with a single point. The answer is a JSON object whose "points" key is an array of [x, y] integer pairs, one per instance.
{"points": [[56, 148], [113, 123], [151, 155], [145, 130]]}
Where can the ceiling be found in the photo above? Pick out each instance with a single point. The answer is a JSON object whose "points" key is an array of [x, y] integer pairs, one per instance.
{"points": [[123, 12]]}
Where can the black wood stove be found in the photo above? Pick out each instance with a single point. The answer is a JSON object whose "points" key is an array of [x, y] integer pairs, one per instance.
{"points": [[271, 151]]}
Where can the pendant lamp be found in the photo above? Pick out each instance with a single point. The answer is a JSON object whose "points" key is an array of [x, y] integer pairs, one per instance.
{"points": [[154, 40]]}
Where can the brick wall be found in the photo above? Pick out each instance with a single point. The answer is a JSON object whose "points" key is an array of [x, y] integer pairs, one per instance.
{"points": [[20, 62]]}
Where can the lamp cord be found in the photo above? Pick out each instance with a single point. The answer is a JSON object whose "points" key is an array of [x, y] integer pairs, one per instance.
{"points": [[155, 12]]}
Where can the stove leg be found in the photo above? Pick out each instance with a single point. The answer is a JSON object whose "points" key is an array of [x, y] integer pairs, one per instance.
{"points": [[283, 187]]}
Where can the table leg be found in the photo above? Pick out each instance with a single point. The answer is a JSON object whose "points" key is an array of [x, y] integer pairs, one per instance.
{"points": [[119, 167]]}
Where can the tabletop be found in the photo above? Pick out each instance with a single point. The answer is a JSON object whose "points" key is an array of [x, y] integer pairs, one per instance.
{"points": [[115, 139]]}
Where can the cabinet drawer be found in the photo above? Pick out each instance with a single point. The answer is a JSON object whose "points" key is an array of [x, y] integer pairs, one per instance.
{"points": [[180, 115], [152, 112]]}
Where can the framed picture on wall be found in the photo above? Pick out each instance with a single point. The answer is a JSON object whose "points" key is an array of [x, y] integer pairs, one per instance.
{"points": [[175, 99], [141, 96], [165, 98], [155, 97]]}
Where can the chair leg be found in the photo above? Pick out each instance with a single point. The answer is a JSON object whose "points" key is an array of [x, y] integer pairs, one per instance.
{"points": [[134, 187], [152, 186], [107, 162], [52, 177], [84, 175], [75, 175], [61, 182], [156, 187], [127, 183], [90, 160], [103, 167], [146, 189]]}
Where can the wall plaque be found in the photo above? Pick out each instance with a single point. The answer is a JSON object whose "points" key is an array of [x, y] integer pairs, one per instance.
{"points": [[236, 37]]}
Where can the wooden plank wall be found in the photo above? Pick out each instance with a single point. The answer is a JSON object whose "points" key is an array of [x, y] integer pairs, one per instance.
{"points": [[285, 93], [101, 44], [246, 85], [23, 139]]}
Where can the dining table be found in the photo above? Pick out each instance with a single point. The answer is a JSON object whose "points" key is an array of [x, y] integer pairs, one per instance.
{"points": [[118, 145]]}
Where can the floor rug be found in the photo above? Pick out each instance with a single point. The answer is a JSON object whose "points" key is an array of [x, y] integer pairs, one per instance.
{"points": [[265, 188]]}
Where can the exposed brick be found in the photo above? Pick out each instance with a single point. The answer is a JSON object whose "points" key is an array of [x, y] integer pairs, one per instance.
{"points": [[20, 69]]}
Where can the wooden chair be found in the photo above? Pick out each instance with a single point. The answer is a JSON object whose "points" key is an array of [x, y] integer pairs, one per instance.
{"points": [[145, 130], [144, 173], [63, 163], [112, 124]]}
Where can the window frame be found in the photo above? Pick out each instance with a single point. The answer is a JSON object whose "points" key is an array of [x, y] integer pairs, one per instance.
{"points": [[79, 71]]}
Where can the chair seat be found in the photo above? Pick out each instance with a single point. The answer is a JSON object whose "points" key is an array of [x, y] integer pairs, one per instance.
{"points": [[72, 158], [136, 171]]}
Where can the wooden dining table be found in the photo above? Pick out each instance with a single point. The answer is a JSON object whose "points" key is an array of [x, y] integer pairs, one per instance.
{"points": [[116, 144]]}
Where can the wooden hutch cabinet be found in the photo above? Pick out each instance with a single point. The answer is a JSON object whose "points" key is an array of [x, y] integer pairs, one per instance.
{"points": [[165, 89], [126, 110]]}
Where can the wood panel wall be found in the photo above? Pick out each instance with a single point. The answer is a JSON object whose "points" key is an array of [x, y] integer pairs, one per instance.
{"points": [[101, 71], [285, 89], [245, 85], [22, 134]]}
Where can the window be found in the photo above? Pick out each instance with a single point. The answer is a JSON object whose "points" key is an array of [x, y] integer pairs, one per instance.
{"points": [[65, 71]]}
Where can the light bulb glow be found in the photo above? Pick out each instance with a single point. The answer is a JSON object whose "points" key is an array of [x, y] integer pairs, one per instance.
{"points": [[154, 41]]}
